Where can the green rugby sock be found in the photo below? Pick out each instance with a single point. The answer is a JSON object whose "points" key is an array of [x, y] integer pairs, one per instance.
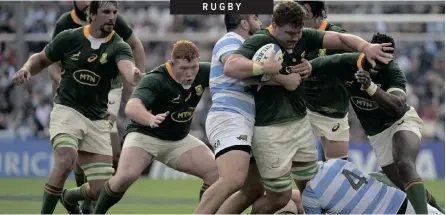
{"points": [[51, 196], [416, 193]]}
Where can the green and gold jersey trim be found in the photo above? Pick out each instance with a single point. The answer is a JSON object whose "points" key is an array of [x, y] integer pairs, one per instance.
{"points": [[87, 33], [169, 70], [359, 61], [76, 19]]}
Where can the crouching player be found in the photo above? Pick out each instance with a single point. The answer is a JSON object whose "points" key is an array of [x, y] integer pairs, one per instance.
{"points": [[161, 109]]}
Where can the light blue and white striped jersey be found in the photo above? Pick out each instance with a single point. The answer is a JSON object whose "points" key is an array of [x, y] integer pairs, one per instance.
{"points": [[229, 94], [340, 188]]}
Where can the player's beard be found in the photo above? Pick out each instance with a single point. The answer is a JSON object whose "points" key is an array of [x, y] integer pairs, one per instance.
{"points": [[107, 29]]}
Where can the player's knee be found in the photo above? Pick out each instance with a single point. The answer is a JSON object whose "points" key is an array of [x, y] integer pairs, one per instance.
{"points": [[210, 177], [278, 185], [406, 168], [65, 163], [65, 151], [279, 200]]}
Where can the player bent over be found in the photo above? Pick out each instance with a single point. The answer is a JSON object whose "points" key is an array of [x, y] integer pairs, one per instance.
{"points": [[91, 57], [339, 187], [161, 109], [283, 145], [394, 128]]}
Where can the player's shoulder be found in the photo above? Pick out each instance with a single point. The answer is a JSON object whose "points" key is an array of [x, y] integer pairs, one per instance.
{"points": [[71, 33], [64, 19], [335, 28], [158, 73], [229, 39]]}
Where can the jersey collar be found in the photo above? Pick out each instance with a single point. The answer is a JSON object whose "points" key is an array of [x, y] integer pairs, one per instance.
{"points": [[76, 19], [323, 25], [169, 70], [87, 34]]}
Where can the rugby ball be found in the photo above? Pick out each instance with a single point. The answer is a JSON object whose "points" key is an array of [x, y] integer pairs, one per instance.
{"points": [[264, 52]]}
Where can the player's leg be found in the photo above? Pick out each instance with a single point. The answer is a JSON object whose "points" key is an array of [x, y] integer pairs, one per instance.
{"points": [[114, 103], [193, 157], [95, 159], [137, 153], [230, 134], [86, 206], [251, 191], [334, 134], [65, 132], [273, 148]]}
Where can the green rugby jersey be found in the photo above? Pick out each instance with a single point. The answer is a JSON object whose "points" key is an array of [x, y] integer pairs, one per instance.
{"points": [[344, 66], [275, 104], [324, 94], [70, 20], [87, 71], [159, 92]]}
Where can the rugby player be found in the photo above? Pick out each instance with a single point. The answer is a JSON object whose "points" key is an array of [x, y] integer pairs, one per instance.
{"points": [[379, 100], [161, 109], [340, 188], [326, 99], [282, 140], [91, 57], [75, 19]]}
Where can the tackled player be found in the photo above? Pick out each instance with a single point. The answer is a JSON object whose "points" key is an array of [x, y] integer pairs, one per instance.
{"points": [[77, 18], [91, 57], [283, 142], [161, 109]]}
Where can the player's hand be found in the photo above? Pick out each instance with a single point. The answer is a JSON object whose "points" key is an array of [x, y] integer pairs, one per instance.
{"points": [[363, 77], [304, 68], [21, 76], [137, 75], [376, 52], [156, 120], [289, 82], [271, 65]]}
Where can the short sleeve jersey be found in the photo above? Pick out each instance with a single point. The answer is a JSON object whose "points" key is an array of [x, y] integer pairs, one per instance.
{"points": [[344, 66], [87, 71], [159, 92], [275, 104]]}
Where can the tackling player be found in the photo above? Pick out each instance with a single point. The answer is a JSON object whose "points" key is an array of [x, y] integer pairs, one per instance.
{"points": [[230, 122], [75, 19], [161, 109], [283, 143], [340, 188], [379, 100], [91, 57], [326, 99]]}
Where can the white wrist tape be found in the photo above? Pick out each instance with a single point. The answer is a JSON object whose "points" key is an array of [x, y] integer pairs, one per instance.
{"points": [[371, 90]]}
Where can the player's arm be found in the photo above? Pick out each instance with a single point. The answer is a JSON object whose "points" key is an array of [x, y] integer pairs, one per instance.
{"points": [[126, 66], [289, 82], [338, 65], [127, 34], [55, 69], [392, 101], [139, 105], [350, 42], [239, 66], [310, 202]]}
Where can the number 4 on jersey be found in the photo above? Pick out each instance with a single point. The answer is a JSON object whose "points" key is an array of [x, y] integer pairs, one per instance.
{"points": [[351, 177]]}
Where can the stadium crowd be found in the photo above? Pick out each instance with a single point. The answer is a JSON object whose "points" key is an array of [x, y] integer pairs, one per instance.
{"points": [[25, 109]]}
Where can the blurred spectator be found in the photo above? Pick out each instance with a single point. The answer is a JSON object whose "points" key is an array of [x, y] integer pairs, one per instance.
{"points": [[29, 106]]}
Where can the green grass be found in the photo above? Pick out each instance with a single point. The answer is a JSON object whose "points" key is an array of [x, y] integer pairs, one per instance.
{"points": [[23, 196]]}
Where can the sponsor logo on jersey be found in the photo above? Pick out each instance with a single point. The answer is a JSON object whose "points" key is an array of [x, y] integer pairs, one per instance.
{"points": [[86, 77], [103, 58], [75, 56], [92, 58], [243, 137], [322, 52], [199, 90], [364, 104], [183, 116]]}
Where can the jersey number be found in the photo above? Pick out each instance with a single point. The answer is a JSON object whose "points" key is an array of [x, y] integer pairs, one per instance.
{"points": [[351, 179]]}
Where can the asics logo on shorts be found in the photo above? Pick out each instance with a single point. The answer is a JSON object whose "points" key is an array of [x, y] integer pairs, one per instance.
{"points": [[400, 122], [336, 127]]}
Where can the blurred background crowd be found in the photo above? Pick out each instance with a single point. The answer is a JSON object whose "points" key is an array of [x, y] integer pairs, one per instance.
{"points": [[25, 110]]}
